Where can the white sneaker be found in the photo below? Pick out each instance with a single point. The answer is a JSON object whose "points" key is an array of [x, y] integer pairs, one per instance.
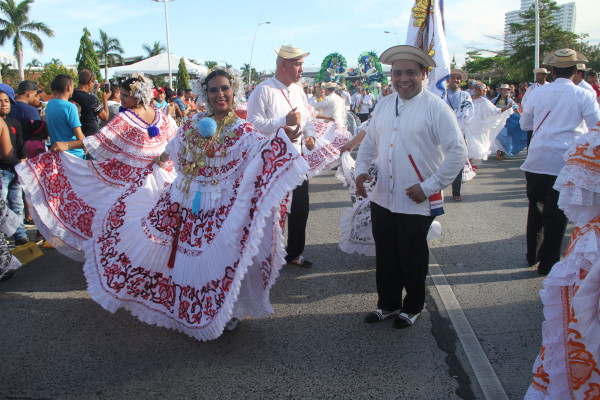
{"points": [[232, 324]]}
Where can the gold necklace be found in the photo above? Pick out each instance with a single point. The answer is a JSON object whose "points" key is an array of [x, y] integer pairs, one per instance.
{"points": [[199, 152]]}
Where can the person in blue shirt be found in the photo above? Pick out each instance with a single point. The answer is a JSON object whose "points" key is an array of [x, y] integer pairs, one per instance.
{"points": [[23, 109], [62, 116]]}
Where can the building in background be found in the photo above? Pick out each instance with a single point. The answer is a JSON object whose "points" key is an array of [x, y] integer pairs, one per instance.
{"points": [[564, 17], [9, 59]]}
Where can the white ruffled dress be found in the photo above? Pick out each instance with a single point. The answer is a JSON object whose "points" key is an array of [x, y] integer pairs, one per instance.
{"points": [[9, 222], [194, 253], [482, 130], [67, 193], [567, 366]]}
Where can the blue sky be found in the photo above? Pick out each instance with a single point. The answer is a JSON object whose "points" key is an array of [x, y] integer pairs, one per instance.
{"points": [[223, 31]]}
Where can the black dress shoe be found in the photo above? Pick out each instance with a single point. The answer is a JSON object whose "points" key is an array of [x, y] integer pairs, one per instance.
{"points": [[21, 242]]}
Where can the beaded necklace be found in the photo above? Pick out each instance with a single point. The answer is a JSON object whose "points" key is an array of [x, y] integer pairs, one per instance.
{"points": [[152, 129], [199, 152]]}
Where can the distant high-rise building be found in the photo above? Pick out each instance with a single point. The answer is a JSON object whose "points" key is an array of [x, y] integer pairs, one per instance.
{"points": [[564, 17]]}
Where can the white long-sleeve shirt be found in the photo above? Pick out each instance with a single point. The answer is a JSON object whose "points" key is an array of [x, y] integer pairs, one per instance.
{"points": [[555, 113], [347, 99], [355, 100], [332, 106], [462, 105], [424, 127], [587, 86], [270, 103], [529, 91]]}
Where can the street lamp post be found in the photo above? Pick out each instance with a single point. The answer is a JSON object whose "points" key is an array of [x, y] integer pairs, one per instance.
{"points": [[395, 33], [252, 50], [536, 62], [168, 41]]}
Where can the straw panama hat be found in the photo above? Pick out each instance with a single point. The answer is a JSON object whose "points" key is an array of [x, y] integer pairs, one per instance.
{"points": [[564, 58], [581, 67], [405, 52], [505, 86], [290, 52], [329, 85], [540, 71], [462, 73]]}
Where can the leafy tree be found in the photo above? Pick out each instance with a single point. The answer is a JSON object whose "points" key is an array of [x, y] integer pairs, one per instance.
{"points": [[183, 77], [211, 64], [109, 50], [49, 73], [552, 37], [254, 77], [154, 49], [86, 55], [18, 26]]}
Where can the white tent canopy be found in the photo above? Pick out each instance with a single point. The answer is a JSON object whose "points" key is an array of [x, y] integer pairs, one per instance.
{"points": [[159, 65]]}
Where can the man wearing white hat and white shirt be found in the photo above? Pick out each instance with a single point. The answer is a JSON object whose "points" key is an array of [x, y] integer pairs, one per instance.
{"points": [[278, 102], [345, 96], [578, 78], [411, 122], [332, 107], [541, 74], [462, 105], [554, 112]]}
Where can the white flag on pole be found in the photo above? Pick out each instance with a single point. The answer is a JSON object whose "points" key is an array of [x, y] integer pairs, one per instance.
{"points": [[426, 31]]}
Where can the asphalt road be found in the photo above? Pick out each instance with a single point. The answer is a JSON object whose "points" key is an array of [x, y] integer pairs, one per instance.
{"points": [[59, 344]]}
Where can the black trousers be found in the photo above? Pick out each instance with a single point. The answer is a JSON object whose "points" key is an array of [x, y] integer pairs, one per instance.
{"points": [[402, 258], [456, 185], [363, 117], [297, 222], [546, 223], [529, 136]]}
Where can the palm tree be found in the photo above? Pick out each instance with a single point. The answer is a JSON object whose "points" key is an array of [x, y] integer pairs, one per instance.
{"points": [[211, 64], [56, 61], [155, 49], [109, 50], [33, 63], [7, 72], [18, 26]]}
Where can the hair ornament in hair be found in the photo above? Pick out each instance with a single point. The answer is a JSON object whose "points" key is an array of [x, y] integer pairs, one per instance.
{"points": [[142, 89], [236, 86]]}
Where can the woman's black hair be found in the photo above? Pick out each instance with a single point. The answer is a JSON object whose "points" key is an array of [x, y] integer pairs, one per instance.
{"points": [[126, 84], [218, 72]]}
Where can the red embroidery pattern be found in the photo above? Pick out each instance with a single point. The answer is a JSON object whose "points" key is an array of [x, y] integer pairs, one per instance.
{"points": [[121, 132], [115, 172], [70, 210], [273, 160], [196, 307], [266, 269], [325, 154], [195, 230]]}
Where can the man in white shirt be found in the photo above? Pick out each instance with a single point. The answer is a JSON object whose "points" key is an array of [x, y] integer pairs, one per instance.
{"points": [[355, 100], [541, 74], [578, 78], [555, 113], [411, 125], [332, 106], [280, 102], [462, 105], [345, 96], [364, 105]]}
